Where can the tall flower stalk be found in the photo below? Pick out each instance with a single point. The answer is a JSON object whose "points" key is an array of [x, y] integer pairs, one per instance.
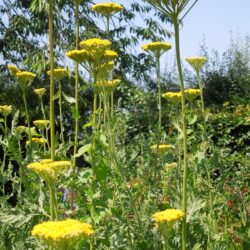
{"points": [[197, 63], [173, 9], [157, 49], [77, 3], [52, 83]]}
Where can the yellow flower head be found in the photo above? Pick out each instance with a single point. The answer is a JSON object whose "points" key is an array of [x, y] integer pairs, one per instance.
{"points": [[107, 9], [41, 124], [157, 48], [25, 76], [5, 110], [172, 96], [95, 44], [13, 69], [78, 55], [110, 55], [62, 234], [191, 94], [40, 141], [161, 149], [40, 92], [170, 166], [108, 86], [48, 170], [167, 216], [59, 73], [20, 129], [197, 62]]}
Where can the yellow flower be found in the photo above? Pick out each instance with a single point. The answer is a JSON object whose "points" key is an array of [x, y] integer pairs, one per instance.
{"points": [[95, 44], [110, 55], [41, 124], [48, 170], [40, 92], [62, 234], [157, 48], [40, 141], [25, 76], [43, 170], [167, 216], [78, 55], [107, 85], [107, 9], [13, 69], [169, 166], [191, 94], [172, 96], [197, 62], [161, 149], [20, 129], [59, 73], [5, 110]]}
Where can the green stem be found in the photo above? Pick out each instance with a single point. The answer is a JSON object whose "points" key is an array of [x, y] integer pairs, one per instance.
{"points": [[159, 90], [112, 104], [60, 112], [76, 84], [42, 108], [52, 84], [201, 96], [27, 114], [108, 27], [51, 203], [94, 110], [183, 113]]}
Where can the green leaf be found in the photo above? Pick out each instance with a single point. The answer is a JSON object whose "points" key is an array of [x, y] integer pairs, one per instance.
{"points": [[90, 124], [192, 119], [56, 96], [69, 99], [84, 149]]}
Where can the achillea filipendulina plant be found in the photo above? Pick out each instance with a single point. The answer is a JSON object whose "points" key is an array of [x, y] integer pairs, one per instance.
{"points": [[167, 216], [41, 124], [59, 73], [197, 63], [108, 86], [172, 96], [170, 166], [158, 49], [161, 149], [5, 110], [78, 55], [95, 45], [192, 94], [36, 140], [13, 69], [25, 76], [40, 92], [107, 9], [164, 221], [174, 9], [62, 235], [50, 171]]}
